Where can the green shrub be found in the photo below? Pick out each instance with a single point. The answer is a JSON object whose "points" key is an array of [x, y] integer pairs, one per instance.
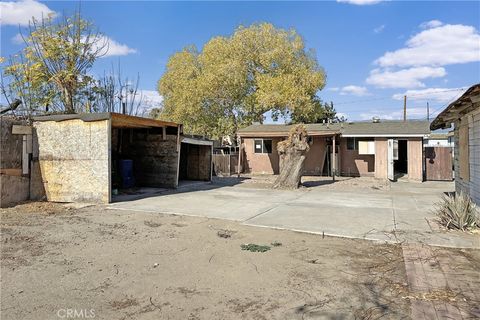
{"points": [[457, 212]]}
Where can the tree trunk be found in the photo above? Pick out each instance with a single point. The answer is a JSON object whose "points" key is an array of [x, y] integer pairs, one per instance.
{"points": [[292, 158]]}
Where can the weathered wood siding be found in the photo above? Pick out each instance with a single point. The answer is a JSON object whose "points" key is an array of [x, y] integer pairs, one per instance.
{"points": [[415, 159], [13, 186], [472, 185], [381, 164], [74, 160]]}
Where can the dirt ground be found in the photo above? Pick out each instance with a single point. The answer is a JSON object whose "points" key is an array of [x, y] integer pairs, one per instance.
{"points": [[137, 265], [341, 183]]}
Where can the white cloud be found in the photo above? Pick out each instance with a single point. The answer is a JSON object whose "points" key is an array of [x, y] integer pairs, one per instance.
{"points": [[431, 24], [17, 39], [406, 78], [441, 95], [354, 90], [150, 99], [333, 89], [360, 2], [113, 48], [437, 46], [21, 12], [379, 29]]}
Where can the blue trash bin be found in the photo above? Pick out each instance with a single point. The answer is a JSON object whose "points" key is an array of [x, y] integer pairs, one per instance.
{"points": [[126, 173]]}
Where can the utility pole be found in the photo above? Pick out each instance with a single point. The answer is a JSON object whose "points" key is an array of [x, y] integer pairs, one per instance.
{"points": [[428, 112], [404, 108]]}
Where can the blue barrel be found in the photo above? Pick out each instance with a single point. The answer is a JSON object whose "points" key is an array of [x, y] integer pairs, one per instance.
{"points": [[126, 172]]}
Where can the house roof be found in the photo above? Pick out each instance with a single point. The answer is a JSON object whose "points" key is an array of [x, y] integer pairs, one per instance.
{"points": [[118, 120], [468, 102], [352, 129]]}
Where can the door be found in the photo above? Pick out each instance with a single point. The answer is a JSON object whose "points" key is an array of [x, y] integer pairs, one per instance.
{"points": [[438, 163], [390, 172]]}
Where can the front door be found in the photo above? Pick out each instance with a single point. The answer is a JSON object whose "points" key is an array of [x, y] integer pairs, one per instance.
{"points": [[390, 171]]}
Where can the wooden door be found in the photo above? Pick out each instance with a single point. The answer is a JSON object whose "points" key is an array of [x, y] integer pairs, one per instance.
{"points": [[438, 163]]}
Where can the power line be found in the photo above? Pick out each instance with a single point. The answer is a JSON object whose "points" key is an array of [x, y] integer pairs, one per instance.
{"points": [[410, 95]]}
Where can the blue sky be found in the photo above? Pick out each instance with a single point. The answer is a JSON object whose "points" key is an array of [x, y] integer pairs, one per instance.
{"points": [[372, 53]]}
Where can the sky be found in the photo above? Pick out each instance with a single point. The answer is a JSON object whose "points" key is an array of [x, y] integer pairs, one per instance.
{"points": [[374, 52]]}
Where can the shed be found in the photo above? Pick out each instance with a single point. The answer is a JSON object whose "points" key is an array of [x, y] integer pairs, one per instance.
{"points": [[91, 157], [464, 113]]}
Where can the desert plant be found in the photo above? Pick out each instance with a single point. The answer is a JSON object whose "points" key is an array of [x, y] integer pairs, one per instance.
{"points": [[457, 212]]}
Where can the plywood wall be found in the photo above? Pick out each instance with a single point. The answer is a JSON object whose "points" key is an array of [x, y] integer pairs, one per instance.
{"points": [[73, 157], [415, 159], [381, 164]]}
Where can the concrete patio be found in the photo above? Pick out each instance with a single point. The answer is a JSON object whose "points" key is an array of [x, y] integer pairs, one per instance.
{"points": [[400, 213]]}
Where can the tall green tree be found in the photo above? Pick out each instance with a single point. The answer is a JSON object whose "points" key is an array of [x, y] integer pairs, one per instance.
{"points": [[234, 80], [53, 67]]}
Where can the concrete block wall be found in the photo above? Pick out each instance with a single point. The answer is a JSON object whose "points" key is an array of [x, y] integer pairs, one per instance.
{"points": [[73, 160]]}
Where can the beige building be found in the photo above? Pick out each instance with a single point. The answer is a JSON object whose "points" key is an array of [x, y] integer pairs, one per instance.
{"points": [[381, 149], [464, 113]]}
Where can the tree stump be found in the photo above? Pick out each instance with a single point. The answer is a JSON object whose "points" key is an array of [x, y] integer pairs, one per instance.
{"points": [[292, 158]]}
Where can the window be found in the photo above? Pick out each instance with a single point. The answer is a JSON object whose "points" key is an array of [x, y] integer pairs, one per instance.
{"points": [[350, 143], [262, 146], [353, 144]]}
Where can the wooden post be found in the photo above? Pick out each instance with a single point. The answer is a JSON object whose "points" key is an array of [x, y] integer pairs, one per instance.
{"points": [[404, 108], [239, 157], [334, 160]]}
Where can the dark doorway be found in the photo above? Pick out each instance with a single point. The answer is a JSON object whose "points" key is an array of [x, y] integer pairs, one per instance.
{"points": [[401, 161], [195, 162]]}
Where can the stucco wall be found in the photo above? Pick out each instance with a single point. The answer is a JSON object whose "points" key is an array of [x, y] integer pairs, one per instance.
{"points": [[261, 163], [472, 187], [315, 158], [74, 160], [415, 159], [354, 164]]}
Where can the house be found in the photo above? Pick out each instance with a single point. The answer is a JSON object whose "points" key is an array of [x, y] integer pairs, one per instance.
{"points": [[464, 113], [380, 149], [89, 157]]}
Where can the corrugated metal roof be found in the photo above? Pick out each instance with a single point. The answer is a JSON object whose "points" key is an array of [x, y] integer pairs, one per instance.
{"points": [[393, 128]]}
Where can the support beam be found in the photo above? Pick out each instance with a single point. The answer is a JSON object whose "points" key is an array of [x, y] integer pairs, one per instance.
{"points": [[334, 162], [239, 157]]}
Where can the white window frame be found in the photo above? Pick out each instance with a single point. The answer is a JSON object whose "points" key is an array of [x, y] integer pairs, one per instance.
{"points": [[263, 145]]}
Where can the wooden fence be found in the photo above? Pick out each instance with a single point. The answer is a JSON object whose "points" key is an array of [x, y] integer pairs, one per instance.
{"points": [[225, 164], [438, 164]]}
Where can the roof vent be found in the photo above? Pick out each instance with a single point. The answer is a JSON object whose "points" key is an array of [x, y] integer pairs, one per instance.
{"points": [[375, 119]]}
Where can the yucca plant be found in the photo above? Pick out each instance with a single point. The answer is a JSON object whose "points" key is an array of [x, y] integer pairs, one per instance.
{"points": [[457, 212]]}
